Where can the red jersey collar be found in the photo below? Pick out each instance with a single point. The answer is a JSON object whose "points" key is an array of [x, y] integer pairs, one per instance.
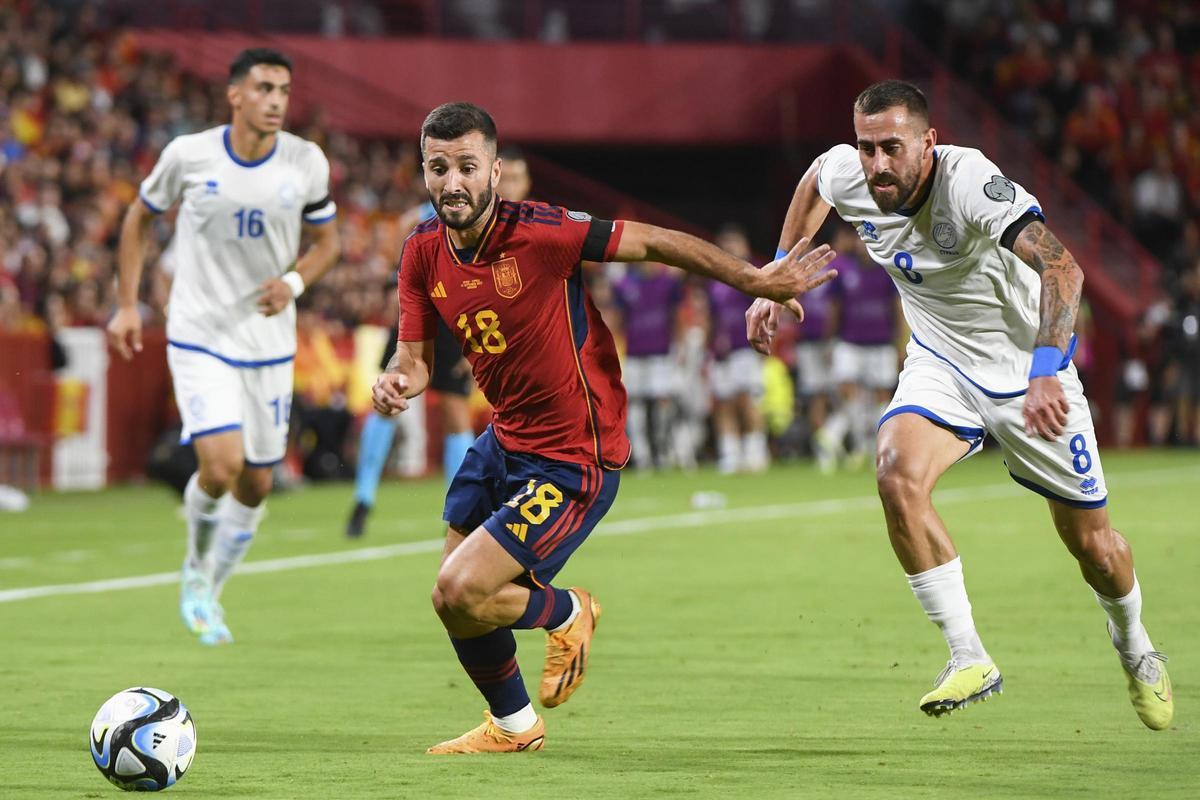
{"points": [[483, 240]]}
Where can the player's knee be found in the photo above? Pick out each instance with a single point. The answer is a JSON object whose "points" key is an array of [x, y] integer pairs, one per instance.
{"points": [[256, 485], [1102, 549], [899, 484], [454, 594], [219, 473]]}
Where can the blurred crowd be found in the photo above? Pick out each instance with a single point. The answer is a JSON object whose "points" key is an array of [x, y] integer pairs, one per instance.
{"points": [[84, 114], [1110, 90]]}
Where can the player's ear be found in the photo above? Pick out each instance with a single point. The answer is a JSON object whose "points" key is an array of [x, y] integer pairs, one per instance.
{"points": [[496, 165], [930, 138], [233, 93]]}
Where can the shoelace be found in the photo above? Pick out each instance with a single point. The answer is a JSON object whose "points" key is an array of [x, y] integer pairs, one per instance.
{"points": [[951, 668], [1146, 669]]}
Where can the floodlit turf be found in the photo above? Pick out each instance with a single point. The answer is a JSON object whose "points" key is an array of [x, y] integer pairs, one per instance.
{"points": [[769, 649]]}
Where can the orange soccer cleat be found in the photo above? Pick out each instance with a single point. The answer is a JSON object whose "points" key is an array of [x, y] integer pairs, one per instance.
{"points": [[567, 653], [489, 737]]}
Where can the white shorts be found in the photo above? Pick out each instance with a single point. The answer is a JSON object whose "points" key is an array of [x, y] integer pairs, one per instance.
{"points": [[215, 395], [814, 367], [869, 365], [1067, 470], [739, 373], [649, 377]]}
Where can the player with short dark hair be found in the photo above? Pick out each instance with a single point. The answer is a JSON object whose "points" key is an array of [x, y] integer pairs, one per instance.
{"points": [[991, 296], [246, 191], [506, 279]]}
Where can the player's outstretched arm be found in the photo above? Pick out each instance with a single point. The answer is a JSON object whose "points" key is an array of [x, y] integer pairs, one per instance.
{"points": [[805, 215], [125, 328], [781, 281], [1046, 404], [406, 376], [275, 294]]}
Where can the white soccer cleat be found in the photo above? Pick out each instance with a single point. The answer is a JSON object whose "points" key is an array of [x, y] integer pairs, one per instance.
{"points": [[195, 596], [218, 632]]}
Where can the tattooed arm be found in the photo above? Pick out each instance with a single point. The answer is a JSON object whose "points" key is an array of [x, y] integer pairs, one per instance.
{"points": [[1046, 404], [1062, 282]]}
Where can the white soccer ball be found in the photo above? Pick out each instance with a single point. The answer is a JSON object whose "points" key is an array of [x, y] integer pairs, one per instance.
{"points": [[143, 739]]}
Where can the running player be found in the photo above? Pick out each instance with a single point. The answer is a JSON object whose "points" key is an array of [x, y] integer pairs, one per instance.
{"points": [[991, 296], [451, 377], [506, 278], [247, 189]]}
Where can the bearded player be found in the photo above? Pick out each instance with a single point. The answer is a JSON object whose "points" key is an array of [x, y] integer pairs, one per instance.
{"points": [[505, 277], [991, 296]]}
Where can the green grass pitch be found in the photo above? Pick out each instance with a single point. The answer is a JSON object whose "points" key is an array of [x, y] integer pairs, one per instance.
{"points": [[767, 649]]}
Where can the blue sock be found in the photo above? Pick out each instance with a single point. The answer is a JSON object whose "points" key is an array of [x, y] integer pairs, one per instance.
{"points": [[373, 448], [548, 608], [455, 450], [491, 662]]}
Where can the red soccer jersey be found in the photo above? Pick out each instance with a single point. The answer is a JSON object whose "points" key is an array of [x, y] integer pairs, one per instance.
{"points": [[539, 350]]}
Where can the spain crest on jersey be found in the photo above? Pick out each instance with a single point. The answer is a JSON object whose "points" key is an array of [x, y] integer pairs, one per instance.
{"points": [[507, 277]]}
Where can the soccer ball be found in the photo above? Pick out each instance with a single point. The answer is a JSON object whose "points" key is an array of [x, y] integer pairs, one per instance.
{"points": [[143, 739]]}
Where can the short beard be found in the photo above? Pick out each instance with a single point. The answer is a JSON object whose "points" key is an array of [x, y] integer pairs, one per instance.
{"points": [[485, 202], [887, 205]]}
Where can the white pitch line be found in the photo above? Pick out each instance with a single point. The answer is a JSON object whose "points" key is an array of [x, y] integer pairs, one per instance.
{"points": [[795, 511]]}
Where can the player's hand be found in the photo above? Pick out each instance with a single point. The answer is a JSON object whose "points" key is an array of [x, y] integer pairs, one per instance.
{"points": [[762, 323], [273, 297], [796, 273], [1046, 408], [125, 332], [387, 396]]}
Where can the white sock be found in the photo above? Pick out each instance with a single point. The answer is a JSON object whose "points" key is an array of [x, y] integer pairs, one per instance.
{"points": [[639, 434], [234, 536], [754, 448], [1126, 615], [728, 452], [574, 612], [201, 511], [518, 721], [943, 594]]}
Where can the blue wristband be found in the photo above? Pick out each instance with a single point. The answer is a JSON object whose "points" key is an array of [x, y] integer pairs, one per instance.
{"points": [[780, 253], [1046, 362]]}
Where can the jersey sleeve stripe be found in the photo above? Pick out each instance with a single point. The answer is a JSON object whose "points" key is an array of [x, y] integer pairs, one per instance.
{"points": [[1009, 237], [595, 244], [150, 205], [318, 205]]}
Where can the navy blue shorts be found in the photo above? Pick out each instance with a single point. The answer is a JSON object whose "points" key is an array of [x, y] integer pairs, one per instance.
{"points": [[538, 509]]}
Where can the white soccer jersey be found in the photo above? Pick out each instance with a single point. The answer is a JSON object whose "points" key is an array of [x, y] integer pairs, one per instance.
{"points": [[966, 298], [238, 226]]}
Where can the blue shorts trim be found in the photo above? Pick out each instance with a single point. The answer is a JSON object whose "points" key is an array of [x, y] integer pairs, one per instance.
{"points": [[233, 362], [250, 463], [236, 426], [1049, 495], [971, 435], [321, 220], [539, 510]]}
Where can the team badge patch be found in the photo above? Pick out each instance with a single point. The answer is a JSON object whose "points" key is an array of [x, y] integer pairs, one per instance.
{"points": [[507, 277], [944, 235], [1000, 189], [579, 216]]}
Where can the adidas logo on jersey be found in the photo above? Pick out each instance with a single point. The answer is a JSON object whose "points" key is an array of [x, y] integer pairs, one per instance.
{"points": [[518, 529], [439, 291]]}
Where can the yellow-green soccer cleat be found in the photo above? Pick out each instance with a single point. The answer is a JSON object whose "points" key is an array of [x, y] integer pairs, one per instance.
{"points": [[1149, 688], [957, 687]]}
